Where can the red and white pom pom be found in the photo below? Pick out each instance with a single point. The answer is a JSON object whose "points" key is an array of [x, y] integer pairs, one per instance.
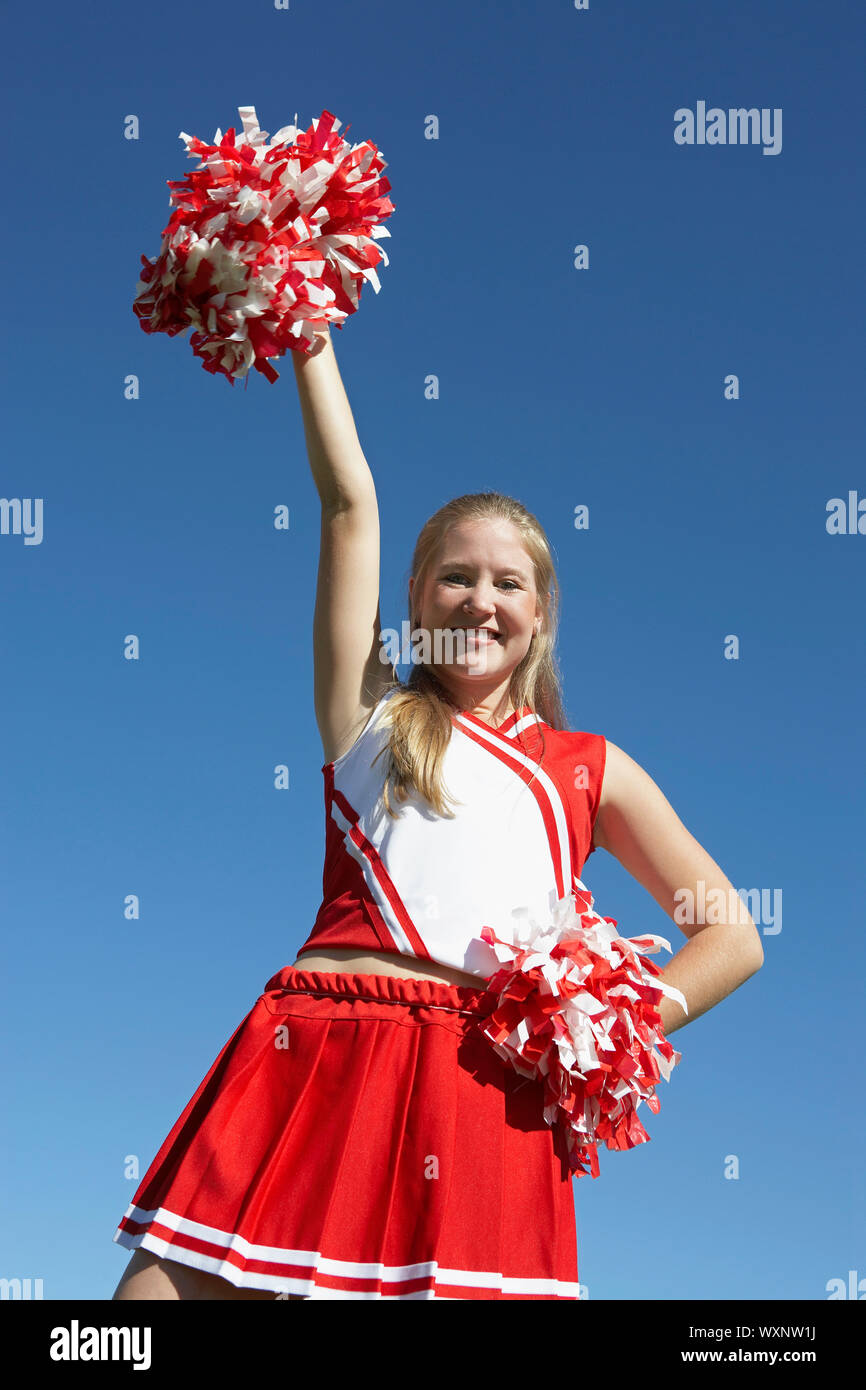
{"points": [[267, 243], [577, 1007]]}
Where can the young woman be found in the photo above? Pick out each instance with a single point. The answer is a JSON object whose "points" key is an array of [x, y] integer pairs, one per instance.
{"points": [[357, 1136]]}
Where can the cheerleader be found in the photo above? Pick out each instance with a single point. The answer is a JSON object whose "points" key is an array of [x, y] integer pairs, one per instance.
{"points": [[358, 1135]]}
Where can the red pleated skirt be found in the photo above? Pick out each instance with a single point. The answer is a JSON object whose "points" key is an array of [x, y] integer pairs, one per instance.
{"points": [[358, 1137]]}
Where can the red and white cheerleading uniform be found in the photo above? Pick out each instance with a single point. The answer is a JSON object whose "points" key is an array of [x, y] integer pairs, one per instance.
{"points": [[425, 885], [357, 1136]]}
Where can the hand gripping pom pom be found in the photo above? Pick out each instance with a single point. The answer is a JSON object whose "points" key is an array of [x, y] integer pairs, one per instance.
{"points": [[267, 243], [576, 1006]]}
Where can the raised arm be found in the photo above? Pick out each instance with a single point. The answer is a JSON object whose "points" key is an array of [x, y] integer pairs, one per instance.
{"points": [[349, 676]]}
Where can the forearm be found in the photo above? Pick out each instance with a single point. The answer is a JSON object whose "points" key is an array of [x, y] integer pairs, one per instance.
{"points": [[340, 471], [711, 965]]}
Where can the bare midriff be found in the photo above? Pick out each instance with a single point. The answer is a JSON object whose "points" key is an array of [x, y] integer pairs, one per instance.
{"points": [[344, 960]]}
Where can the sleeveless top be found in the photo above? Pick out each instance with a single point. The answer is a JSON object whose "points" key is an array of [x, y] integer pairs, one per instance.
{"points": [[424, 885]]}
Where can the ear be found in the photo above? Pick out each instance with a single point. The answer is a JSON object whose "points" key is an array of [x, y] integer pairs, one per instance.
{"points": [[539, 615]]}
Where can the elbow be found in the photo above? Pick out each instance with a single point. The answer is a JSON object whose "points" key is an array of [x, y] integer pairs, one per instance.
{"points": [[750, 951], [754, 957], [753, 949]]}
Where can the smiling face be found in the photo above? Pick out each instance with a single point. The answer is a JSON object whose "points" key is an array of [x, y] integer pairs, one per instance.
{"points": [[480, 580]]}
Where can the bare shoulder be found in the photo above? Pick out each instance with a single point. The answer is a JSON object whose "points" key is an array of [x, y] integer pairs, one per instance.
{"points": [[619, 769], [627, 790]]}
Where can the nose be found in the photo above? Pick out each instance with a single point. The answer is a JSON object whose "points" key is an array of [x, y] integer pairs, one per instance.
{"points": [[480, 600]]}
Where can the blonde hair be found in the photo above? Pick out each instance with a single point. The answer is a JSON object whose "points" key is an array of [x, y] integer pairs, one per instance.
{"points": [[420, 715]]}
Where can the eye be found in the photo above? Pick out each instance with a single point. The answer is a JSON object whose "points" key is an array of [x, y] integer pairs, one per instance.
{"points": [[457, 575]]}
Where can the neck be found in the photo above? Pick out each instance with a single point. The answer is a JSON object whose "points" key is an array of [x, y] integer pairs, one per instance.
{"points": [[492, 704]]}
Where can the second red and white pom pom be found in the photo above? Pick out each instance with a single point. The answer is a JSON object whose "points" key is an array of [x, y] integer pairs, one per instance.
{"points": [[267, 243], [576, 1006]]}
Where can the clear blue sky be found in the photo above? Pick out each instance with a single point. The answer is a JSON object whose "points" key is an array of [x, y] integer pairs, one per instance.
{"points": [[602, 387]]}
